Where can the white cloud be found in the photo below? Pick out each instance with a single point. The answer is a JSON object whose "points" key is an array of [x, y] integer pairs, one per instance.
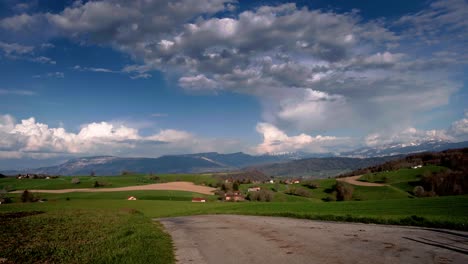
{"points": [[47, 46], [459, 128], [456, 132], [43, 59], [277, 141], [15, 48], [93, 69], [23, 22], [407, 136], [159, 115], [16, 92], [50, 75], [33, 139], [198, 82], [311, 70]]}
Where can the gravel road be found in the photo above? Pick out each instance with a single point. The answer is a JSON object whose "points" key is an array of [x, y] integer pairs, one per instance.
{"points": [[354, 181], [272, 240]]}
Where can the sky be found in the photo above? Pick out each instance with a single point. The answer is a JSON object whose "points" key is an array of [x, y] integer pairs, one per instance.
{"points": [[148, 78]]}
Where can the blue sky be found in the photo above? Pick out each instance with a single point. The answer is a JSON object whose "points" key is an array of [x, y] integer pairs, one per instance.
{"points": [[148, 78]]}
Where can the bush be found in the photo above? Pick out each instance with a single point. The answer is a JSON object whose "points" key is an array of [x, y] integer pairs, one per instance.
{"points": [[298, 191], [28, 197], [344, 192], [418, 191], [98, 184], [75, 181], [310, 185], [155, 178], [227, 186], [260, 196]]}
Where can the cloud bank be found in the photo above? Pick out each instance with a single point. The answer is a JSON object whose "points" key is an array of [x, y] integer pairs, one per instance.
{"points": [[313, 71]]}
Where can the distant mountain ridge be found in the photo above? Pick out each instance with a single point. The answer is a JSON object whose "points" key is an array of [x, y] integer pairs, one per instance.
{"points": [[187, 163], [281, 164]]}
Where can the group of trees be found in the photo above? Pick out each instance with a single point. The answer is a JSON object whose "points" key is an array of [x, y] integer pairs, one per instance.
{"points": [[344, 191], [298, 191], [454, 159], [230, 186], [260, 196], [441, 183]]}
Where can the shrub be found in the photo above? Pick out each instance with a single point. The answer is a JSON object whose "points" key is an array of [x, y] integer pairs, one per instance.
{"points": [[75, 181], [344, 192], [220, 194], [260, 196], [5, 200], [298, 191], [98, 184], [155, 178], [28, 197], [418, 191], [227, 186], [235, 186], [310, 185]]}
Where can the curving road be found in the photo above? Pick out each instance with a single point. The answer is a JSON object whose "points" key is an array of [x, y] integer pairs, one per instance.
{"points": [[354, 181], [275, 240]]}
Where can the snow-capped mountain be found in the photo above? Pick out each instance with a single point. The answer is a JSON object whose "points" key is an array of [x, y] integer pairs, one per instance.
{"points": [[403, 148]]}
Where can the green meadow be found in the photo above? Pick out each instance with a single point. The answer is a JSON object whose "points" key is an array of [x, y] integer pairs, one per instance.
{"points": [[107, 228], [65, 182]]}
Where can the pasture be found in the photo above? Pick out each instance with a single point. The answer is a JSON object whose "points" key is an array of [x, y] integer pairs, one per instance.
{"points": [[104, 227]]}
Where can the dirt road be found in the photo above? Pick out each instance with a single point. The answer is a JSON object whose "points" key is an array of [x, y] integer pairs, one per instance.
{"points": [[275, 240], [354, 181], [173, 186]]}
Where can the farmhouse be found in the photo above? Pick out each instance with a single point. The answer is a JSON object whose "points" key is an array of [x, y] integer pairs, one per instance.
{"points": [[132, 198], [234, 197], [198, 200], [254, 189]]}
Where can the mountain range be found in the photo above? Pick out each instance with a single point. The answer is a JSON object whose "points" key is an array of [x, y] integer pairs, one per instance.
{"points": [[273, 164]]}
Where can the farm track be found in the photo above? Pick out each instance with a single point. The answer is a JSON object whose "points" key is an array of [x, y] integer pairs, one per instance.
{"points": [[274, 240], [173, 186], [354, 181]]}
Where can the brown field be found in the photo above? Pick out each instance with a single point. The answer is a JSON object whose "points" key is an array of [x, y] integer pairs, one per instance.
{"points": [[172, 186]]}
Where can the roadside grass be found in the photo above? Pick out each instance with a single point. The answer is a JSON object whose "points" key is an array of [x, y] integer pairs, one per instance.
{"points": [[64, 182], [443, 212], [83, 236]]}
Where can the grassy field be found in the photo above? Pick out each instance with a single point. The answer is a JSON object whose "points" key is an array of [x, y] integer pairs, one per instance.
{"points": [[403, 179], [141, 195], [64, 182], [401, 175], [106, 228], [83, 236], [449, 212]]}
